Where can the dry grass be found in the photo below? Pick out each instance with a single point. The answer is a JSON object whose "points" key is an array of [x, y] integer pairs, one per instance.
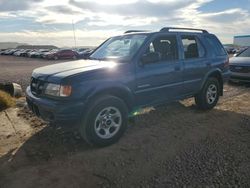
{"points": [[6, 100]]}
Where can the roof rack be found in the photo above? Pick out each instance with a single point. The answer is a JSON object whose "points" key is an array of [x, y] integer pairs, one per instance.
{"points": [[135, 31], [166, 29]]}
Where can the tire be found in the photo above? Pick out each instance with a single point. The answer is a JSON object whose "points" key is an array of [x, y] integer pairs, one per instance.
{"points": [[55, 58], [74, 57], [208, 97], [98, 127]]}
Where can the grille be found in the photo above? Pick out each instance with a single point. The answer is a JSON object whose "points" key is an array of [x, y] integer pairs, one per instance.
{"points": [[36, 86], [241, 69]]}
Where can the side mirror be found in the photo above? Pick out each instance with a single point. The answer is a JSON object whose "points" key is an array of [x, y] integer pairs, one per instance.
{"points": [[151, 57]]}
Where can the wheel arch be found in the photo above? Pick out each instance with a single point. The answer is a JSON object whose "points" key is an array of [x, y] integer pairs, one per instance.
{"points": [[216, 73], [122, 93]]}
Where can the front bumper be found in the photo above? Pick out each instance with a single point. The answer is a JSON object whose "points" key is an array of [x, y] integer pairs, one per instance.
{"points": [[54, 111], [240, 77]]}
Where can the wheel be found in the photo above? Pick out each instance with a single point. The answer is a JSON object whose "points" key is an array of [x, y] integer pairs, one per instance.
{"points": [[55, 58], [208, 97], [74, 57], [105, 121]]}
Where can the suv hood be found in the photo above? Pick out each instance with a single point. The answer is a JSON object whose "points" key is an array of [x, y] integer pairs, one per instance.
{"points": [[61, 70]]}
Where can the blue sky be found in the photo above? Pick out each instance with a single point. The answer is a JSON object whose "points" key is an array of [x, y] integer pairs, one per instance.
{"points": [[50, 21]]}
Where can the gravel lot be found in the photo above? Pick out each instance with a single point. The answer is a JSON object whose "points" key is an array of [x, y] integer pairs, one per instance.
{"points": [[170, 146]]}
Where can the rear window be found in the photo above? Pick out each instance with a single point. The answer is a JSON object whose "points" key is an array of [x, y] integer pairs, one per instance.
{"points": [[216, 45]]}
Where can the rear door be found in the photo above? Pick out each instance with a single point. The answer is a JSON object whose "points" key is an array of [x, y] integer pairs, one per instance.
{"points": [[160, 81], [196, 64]]}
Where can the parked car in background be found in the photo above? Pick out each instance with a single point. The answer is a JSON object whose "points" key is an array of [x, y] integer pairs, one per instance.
{"points": [[41, 52], [31, 52], [62, 54], [4, 51], [1, 51], [18, 52], [45, 55], [127, 72], [37, 53], [25, 52], [10, 51], [81, 49], [229, 49], [85, 54], [240, 67]]}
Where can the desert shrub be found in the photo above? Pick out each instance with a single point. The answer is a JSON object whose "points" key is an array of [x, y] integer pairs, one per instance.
{"points": [[6, 100]]}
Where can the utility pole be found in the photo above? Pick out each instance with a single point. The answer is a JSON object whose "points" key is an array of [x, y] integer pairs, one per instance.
{"points": [[73, 26]]}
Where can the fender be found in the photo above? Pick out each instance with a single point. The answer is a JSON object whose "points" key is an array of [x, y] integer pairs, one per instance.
{"points": [[214, 72], [111, 88]]}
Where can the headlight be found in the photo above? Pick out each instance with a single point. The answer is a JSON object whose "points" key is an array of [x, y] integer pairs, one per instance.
{"points": [[58, 90]]}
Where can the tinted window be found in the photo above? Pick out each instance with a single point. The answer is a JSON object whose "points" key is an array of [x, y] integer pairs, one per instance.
{"points": [[245, 53], [192, 47], [166, 46], [216, 45]]}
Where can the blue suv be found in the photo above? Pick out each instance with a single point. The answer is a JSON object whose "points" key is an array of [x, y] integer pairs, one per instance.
{"points": [[127, 72]]}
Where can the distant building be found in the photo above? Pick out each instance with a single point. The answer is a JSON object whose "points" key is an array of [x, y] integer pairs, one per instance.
{"points": [[242, 40], [36, 47]]}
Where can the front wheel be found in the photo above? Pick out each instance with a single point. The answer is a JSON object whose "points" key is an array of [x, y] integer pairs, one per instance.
{"points": [[208, 97], [105, 122]]}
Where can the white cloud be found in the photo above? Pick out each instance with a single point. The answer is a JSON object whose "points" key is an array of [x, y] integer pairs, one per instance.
{"points": [[105, 18]]}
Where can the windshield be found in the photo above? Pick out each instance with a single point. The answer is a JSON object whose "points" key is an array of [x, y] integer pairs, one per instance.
{"points": [[121, 47], [245, 53]]}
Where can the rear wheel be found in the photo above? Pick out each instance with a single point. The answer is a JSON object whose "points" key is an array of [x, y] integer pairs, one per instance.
{"points": [[208, 97], [105, 122]]}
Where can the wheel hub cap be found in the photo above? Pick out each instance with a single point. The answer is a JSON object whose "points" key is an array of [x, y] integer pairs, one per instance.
{"points": [[211, 93], [108, 122]]}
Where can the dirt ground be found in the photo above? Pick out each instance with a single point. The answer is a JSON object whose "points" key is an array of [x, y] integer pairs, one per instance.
{"points": [[171, 146]]}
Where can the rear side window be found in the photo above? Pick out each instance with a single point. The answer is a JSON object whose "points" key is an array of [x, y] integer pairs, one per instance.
{"points": [[192, 47], [216, 45], [166, 46]]}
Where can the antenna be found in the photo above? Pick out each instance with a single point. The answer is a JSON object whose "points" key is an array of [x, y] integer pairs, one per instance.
{"points": [[73, 26]]}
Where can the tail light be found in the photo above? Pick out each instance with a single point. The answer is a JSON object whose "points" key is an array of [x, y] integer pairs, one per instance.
{"points": [[226, 64]]}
